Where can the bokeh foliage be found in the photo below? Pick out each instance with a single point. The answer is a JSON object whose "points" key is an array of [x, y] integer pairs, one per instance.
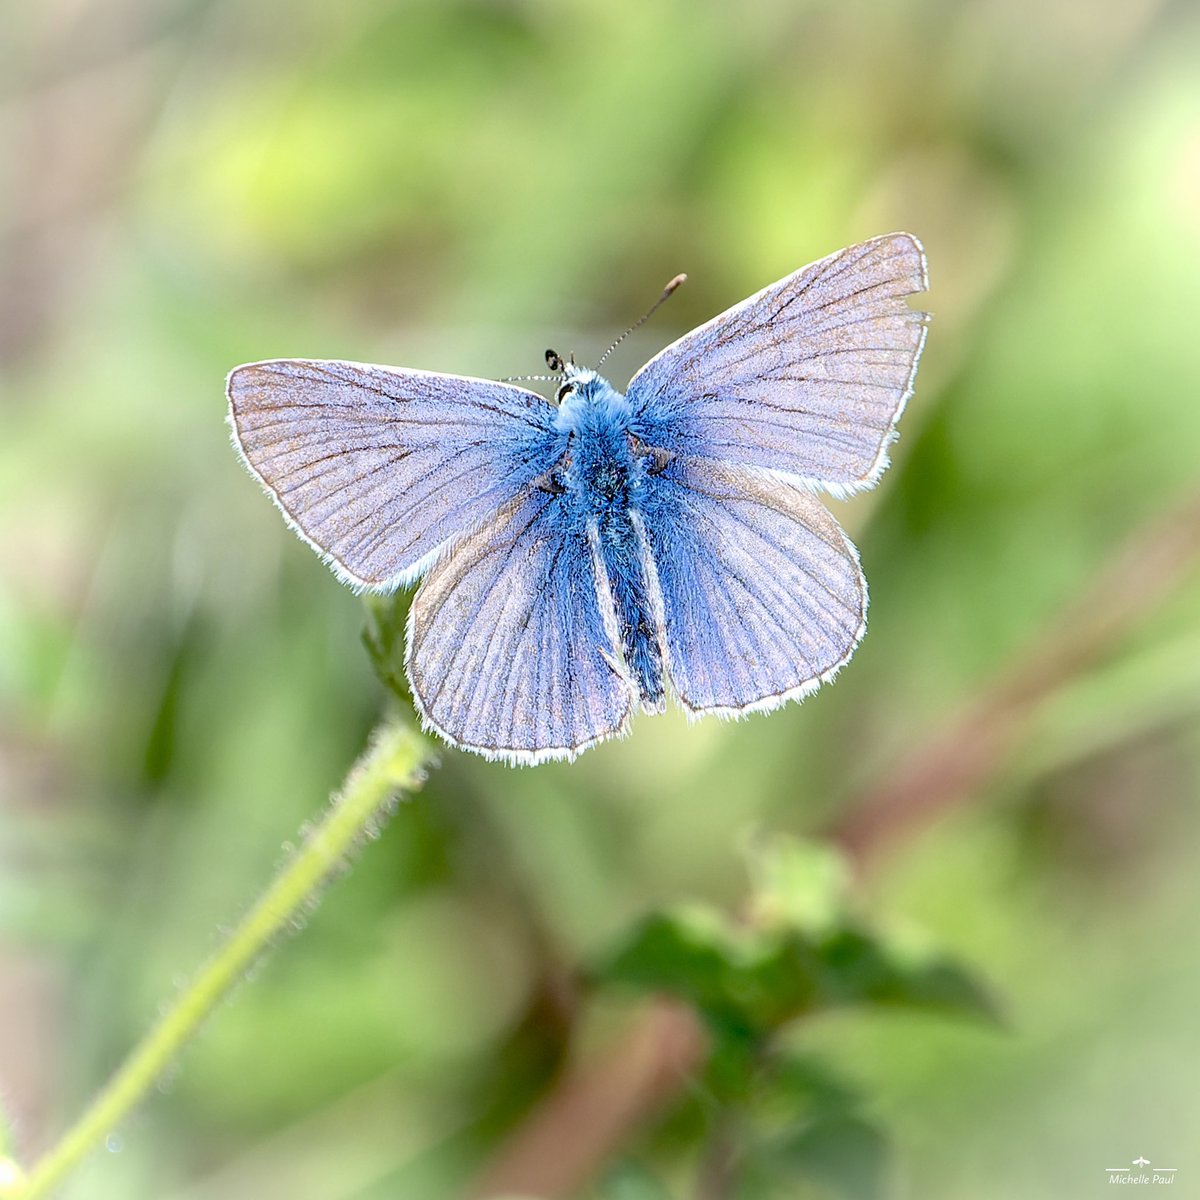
{"points": [[185, 186]]}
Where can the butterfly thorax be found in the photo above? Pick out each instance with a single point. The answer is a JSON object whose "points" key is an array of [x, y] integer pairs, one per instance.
{"points": [[601, 469], [604, 474]]}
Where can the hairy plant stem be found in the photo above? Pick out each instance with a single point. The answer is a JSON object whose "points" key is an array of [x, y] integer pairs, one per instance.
{"points": [[394, 763]]}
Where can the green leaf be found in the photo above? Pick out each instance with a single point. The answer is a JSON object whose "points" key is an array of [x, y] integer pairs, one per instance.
{"points": [[695, 954], [844, 1154], [855, 966], [751, 980]]}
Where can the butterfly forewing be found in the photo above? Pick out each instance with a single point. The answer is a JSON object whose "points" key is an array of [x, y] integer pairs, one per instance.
{"points": [[379, 467], [510, 650], [807, 377], [763, 598]]}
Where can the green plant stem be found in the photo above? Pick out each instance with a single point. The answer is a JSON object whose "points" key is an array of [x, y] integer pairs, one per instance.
{"points": [[395, 762]]}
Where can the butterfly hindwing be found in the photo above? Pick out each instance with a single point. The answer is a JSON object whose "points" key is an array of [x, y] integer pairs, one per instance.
{"points": [[378, 467], [762, 595], [807, 377], [510, 646]]}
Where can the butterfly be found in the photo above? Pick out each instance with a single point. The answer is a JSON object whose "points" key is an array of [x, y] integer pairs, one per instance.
{"points": [[581, 558]]}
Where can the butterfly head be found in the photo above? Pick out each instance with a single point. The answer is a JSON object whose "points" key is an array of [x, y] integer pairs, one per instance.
{"points": [[586, 383], [575, 380]]}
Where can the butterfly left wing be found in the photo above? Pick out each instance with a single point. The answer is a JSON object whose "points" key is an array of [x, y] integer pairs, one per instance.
{"points": [[378, 468], [808, 377], [511, 649], [762, 595]]}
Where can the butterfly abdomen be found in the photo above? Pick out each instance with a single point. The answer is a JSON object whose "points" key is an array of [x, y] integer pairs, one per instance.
{"points": [[622, 550]]}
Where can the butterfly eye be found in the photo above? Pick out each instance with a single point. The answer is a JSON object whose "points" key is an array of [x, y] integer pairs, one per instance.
{"points": [[564, 391]]}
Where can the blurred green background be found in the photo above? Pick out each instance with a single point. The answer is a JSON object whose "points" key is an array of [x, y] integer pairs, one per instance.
{"points": [[188, 185]]}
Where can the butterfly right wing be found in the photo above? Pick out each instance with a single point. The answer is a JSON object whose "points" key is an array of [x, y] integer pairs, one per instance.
{"points": [[511, 639], [808, 377], [378, 468]]}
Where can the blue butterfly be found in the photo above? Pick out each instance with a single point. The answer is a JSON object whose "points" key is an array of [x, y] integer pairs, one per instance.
{"points": [[579, 559]]}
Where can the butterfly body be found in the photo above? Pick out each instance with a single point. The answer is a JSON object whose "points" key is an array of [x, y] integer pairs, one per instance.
{"points": [[607, 473], [580, 559]]}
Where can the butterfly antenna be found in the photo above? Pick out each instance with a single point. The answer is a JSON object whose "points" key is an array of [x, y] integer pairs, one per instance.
{"points": [[649, 313], [527, 378]]}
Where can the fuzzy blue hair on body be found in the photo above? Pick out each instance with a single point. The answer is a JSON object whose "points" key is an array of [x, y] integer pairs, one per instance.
{"points": [[605, 475]]}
